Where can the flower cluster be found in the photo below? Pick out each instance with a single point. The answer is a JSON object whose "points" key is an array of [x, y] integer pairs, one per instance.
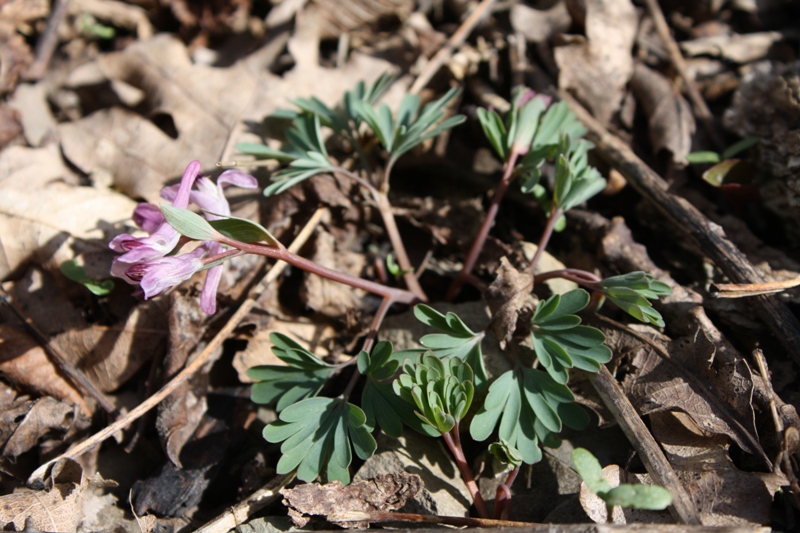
{"points": [[151, 262]]}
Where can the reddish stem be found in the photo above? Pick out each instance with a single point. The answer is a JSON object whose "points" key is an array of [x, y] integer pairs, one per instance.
{"points": [[282, 254], [483, 233], [377, 320], [581, 277], [555, 214], [454, 443], [390, 225], [502, 499]]}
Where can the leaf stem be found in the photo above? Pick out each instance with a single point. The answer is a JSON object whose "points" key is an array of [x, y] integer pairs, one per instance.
{"points": [[483, 233], [282, 254], [390, 225], [555, 214], [453, 441], [502, 499], [377, 320], [581, 277]]}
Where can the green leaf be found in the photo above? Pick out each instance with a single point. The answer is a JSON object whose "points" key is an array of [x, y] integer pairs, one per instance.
{"points": [[560, 342], [631, 292], [703, 157], [495, 131], [189, 224], [528, 123], [505, 453], [303, 376], [243, 230], [651, 497], [441, 389], [588, 467], [75, 272], [741, 146], [522, 404], [457, 340], [317, 433]]}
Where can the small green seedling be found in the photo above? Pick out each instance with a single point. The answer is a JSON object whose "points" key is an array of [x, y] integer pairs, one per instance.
{"points": [[727, 170], [72, 270], [649, 497]]}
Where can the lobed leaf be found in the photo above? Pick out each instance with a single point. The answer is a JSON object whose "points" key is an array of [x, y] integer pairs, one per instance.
{"points": [[560, 342], [320, 432], [457, 340]]}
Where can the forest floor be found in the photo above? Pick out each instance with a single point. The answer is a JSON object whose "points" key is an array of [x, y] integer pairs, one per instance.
{"points": [[119, 413]]}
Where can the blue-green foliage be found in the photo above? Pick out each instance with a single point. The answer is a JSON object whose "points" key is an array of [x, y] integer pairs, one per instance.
{"points": [[632, 292], [317, 433], [304, 149], [303, 376], [561, 342]]}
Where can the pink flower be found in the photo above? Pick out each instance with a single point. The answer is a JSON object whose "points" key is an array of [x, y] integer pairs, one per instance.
{"points": [[145, 261]]}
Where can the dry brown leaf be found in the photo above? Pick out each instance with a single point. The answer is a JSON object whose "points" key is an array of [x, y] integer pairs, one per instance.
{"points": [[343, 16], [723, 494], [38, 123], [736, 47], [385, 492], [107, 355], [538, 25], [206, 105], [181, 412], [508, 297], [45, 417], [598, 68], [329, 297], [10, 126], [111, 355], [42, 219], [669, 115], [24, 363], [717, 397], [59, 508]]}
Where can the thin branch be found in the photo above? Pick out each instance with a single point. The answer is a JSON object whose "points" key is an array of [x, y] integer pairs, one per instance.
{"points": [[282, 254], [483, 232], [242, 511], [390, 225], [62, 363], [645, 445], [453, 442], [37, 477], [455, 40], [555, 214], [698, 102], [377, 320], [47, 41], [458, 521], [581, 277]]}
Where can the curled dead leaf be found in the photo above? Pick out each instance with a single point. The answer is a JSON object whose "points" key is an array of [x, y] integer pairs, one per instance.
{"points": [[669, 116], [598, 68], [25, 364]]}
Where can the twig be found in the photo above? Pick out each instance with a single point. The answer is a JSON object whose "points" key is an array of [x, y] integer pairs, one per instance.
{"points": [[552, 219], [47, 41], [74, 374], [483, 232], [707, 236], [390, 225], [721, 408], [740, 290], [701, 109], [387, 516], [644, 443], [37, 477], [455, 40], [242, 511], [453, 441]]}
